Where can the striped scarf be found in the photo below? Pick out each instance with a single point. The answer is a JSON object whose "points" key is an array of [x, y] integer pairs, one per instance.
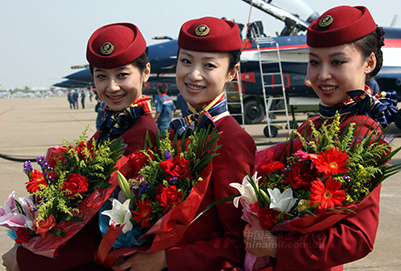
{"points": [[210, 113], [382, 107], [116, 123]]}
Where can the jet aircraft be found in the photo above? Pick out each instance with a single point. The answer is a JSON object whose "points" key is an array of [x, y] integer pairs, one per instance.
{"points": [[293, 51]]}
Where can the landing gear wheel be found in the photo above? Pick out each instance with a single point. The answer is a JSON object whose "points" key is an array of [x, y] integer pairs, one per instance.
{"points": [[273, 130], [254, 112]]}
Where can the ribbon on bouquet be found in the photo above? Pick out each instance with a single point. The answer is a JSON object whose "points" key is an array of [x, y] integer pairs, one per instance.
{"points": [[167, 231]]}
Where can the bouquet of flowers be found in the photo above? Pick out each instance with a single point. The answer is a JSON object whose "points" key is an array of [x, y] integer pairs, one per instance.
{"points": [[309, 184], [165, 187], [68, 189]]}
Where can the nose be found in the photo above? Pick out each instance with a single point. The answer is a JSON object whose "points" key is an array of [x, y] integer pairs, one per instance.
{"points": [[195, 75], [324, 73], [113, 85]]}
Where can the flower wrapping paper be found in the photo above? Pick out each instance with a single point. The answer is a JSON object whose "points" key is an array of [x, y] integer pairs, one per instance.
{"points": [[167, 231], [49, 245]]}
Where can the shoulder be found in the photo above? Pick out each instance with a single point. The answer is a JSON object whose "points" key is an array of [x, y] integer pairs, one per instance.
{"points": [[231, 130], [364, 124]]}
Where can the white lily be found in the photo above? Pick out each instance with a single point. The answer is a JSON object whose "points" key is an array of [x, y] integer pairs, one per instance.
{"points": [[282, 202], [246, 190], [120, 214]]}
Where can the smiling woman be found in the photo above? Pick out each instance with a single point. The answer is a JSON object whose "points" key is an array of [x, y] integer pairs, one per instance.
{"points": [[117, 54], [344, 50]]}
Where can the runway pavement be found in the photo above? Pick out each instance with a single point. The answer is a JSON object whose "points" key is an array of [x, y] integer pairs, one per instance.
{"points": [[29, 125]]}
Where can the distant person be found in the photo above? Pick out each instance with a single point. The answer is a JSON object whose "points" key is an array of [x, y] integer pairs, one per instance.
{"points": [[75, 99], [99, 108], [182, 105], [90, 95], [71, 99], [164, 109], [83, 99]]}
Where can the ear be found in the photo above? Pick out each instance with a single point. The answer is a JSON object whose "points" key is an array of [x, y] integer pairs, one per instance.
{"points": [[370, 63], [146, 73], [231, 74]]}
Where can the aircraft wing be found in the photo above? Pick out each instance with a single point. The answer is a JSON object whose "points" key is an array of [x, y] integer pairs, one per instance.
{"points": [[389, 72]]}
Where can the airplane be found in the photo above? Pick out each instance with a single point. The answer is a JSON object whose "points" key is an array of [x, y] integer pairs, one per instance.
{"points": [[291, 41]]}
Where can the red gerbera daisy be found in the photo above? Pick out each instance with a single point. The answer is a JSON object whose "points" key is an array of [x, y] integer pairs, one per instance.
{"points": [[144, 214], [327, 196], [331, 162], [37, 178]]}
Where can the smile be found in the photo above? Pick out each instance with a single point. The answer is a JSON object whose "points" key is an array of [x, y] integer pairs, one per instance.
{"points": [[328, 88], [117, 97], [194, 88]]}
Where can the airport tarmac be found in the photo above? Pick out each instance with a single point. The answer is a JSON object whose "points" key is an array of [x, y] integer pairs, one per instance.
{"points": [[28, 126]]}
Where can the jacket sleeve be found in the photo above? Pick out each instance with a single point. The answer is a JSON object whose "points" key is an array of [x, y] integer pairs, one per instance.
{"points": [[223, 241], [350, 239]]}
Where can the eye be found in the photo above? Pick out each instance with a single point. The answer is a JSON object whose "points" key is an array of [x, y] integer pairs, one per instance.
{"points": [[337, 62], [100, 76], [185, 61], [123, 74], [313, 62], [210, 65]]}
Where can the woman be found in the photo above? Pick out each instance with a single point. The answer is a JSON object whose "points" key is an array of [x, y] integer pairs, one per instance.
{"points": [[117, 55], [208, 56], [345, 50]]}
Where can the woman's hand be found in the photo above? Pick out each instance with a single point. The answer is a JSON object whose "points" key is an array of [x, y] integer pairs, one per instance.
{"points": [[259, 242], [10, 259], [155, 261]]}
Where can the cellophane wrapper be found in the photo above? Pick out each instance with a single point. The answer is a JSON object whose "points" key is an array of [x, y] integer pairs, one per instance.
{"points": [[166, 232]]}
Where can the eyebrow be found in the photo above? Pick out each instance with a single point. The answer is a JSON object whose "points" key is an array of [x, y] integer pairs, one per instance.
{"points": [[117, 69], [203, 58], [331, 55]]}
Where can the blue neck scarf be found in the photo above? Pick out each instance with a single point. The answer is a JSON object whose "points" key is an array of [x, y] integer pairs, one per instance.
{"points": [[382, 107], [116, 123], [203, 119]]}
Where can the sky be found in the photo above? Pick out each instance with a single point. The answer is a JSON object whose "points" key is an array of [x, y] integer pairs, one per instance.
{"points": [[41, 40]]}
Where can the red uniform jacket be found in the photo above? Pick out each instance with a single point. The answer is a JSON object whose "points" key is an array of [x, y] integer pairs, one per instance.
{"points": [[349, 240], [217, 235], [78, 252]]}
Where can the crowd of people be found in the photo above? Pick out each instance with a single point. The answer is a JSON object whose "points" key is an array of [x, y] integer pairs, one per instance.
{"points": [[344, 51]]}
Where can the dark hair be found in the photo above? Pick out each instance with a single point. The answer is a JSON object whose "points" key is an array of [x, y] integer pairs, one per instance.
{"points": [[234, 56], [140, 62], [162, 89], [372, 43]]}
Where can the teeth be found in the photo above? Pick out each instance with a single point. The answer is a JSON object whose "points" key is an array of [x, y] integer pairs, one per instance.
{"points": [[195, 87], [116, 98], [327, 88]]}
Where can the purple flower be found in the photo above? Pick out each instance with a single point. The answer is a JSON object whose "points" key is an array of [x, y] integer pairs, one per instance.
{"points": [[167, 155], [143, 188], [27, 167], [172, 180], [347, 178]]}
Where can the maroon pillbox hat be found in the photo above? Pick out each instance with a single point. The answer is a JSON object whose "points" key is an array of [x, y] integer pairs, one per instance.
{"points": [[340, 25], [115, 45], [209, 34]]}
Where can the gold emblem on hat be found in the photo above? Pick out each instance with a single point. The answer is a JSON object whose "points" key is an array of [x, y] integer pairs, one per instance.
{"points": [[202, 30], [107, 48], [326, 21]]}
